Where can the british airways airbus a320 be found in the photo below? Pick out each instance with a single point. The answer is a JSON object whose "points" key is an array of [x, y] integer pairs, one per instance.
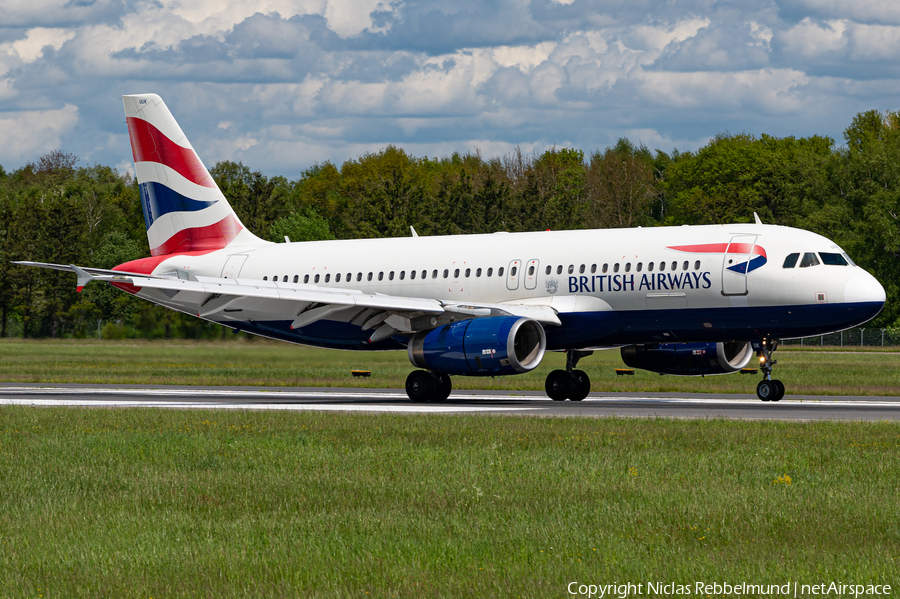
{"points": [[693, 300]]}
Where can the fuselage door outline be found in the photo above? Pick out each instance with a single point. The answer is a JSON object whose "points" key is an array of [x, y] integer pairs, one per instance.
{"points": [[531, 274], [513, 275], [735, 264]]}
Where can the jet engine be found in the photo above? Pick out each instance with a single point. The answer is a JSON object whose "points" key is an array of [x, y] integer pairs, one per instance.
{"points": [[488, 346], [689, 359]]}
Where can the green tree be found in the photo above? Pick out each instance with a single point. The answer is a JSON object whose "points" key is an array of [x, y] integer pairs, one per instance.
{"points": [[301, 225]]}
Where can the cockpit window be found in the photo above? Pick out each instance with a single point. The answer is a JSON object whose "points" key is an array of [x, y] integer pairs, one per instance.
{"points": [[832, 259], [809, 259], [791, 261], [848, 259]]}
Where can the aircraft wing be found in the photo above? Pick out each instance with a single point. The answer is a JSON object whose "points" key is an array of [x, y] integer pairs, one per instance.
{"points": [[391, 314]]}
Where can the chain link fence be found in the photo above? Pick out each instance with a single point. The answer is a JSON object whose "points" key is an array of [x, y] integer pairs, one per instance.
{"points": [[857, 336]]}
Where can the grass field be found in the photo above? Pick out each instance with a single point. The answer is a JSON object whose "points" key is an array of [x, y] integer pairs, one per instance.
{"points": [[163, 503], [259, 362]]}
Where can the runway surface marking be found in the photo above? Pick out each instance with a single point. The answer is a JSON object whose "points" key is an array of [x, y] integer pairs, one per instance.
{"points": [[187, 398]]}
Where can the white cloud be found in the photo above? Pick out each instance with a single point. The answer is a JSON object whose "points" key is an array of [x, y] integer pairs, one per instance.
{"points": [[30, 133], [809, 38], [350, 17], [32, 45], [769, 90], [308, 76], [865, 11]]}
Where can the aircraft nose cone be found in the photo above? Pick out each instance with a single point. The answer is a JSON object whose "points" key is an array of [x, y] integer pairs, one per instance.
{"points": [[863, 288]]}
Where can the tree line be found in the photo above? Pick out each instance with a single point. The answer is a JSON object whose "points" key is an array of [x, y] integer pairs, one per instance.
{"points": [[52, 210]]}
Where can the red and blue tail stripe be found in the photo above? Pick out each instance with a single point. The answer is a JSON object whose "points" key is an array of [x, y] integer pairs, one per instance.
{"points": [[184, 210], [157, 200], [149, 144]]}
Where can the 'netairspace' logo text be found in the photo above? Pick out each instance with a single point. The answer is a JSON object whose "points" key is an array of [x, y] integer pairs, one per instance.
{"points": [[667, 589]]}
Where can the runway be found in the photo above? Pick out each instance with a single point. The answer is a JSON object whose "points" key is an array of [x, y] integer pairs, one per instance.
{"points": [[523, 403]]}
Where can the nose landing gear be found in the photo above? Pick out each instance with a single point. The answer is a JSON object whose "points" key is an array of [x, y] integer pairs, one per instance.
{"points": [[569, 383], [768, 389]]}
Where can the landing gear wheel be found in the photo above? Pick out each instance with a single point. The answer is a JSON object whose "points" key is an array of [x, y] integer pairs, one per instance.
{"points": [[558, 385], [779, 390], [766, 390], [581, 385], [420, 385], [444, 387]]}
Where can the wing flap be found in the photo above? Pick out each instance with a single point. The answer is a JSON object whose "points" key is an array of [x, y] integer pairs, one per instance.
{"points": [[286, 291]]}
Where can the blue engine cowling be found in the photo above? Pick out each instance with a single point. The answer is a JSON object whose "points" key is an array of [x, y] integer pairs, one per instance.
{"points": [[489, 346], [689, 359]]}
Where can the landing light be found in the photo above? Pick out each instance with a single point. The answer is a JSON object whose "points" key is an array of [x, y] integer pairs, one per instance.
{"points": [[762, 359]]}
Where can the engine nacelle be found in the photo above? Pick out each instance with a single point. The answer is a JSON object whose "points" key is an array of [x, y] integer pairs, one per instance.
{"points": [[689, 359], [489, 346]]}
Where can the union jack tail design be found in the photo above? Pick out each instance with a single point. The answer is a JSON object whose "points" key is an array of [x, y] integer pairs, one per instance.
{"points": [[183, 207]]}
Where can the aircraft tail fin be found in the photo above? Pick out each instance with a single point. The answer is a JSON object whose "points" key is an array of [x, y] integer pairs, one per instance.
{"points": [[184, 210]]}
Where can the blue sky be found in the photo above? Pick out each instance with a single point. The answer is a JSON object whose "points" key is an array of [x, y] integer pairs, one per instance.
{"points": [[281, 85]]}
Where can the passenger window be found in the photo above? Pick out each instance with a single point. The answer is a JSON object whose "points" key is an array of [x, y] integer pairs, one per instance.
{"points": [[790, 261], [478, 272], [500, 272], [359, 276], [317, 278], [559, 269], [513, 271], [328, 277], [296, 278], [685, 265], [456, 273], [337, 278], [369, 277], [662, 266], [628, 267], [650, 267], [446, 273], [305, 279], [593, 268], [829, 259], [490, 271], [640, 266], [402, 274], [809, 259], [581, 269], [530, 271], [424, 274], [697, 265], [616, 267], [674, 266], [434, 274], [571, 268], [412, 274], [548, 270], [349, 277], [265, 278], [381, 276], [391, 276], [605, 267]]}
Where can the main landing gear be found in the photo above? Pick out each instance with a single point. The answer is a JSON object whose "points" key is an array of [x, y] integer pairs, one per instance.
{"points": [[422, 385], [569, 383], [769, 389]]}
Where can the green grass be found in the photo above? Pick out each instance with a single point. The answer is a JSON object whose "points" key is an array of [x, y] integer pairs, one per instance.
{"points": [[163, 503], [811, 371]]}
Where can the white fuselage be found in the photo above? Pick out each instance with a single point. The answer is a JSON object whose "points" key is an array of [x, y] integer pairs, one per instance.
{"points": [[644, 289]]}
